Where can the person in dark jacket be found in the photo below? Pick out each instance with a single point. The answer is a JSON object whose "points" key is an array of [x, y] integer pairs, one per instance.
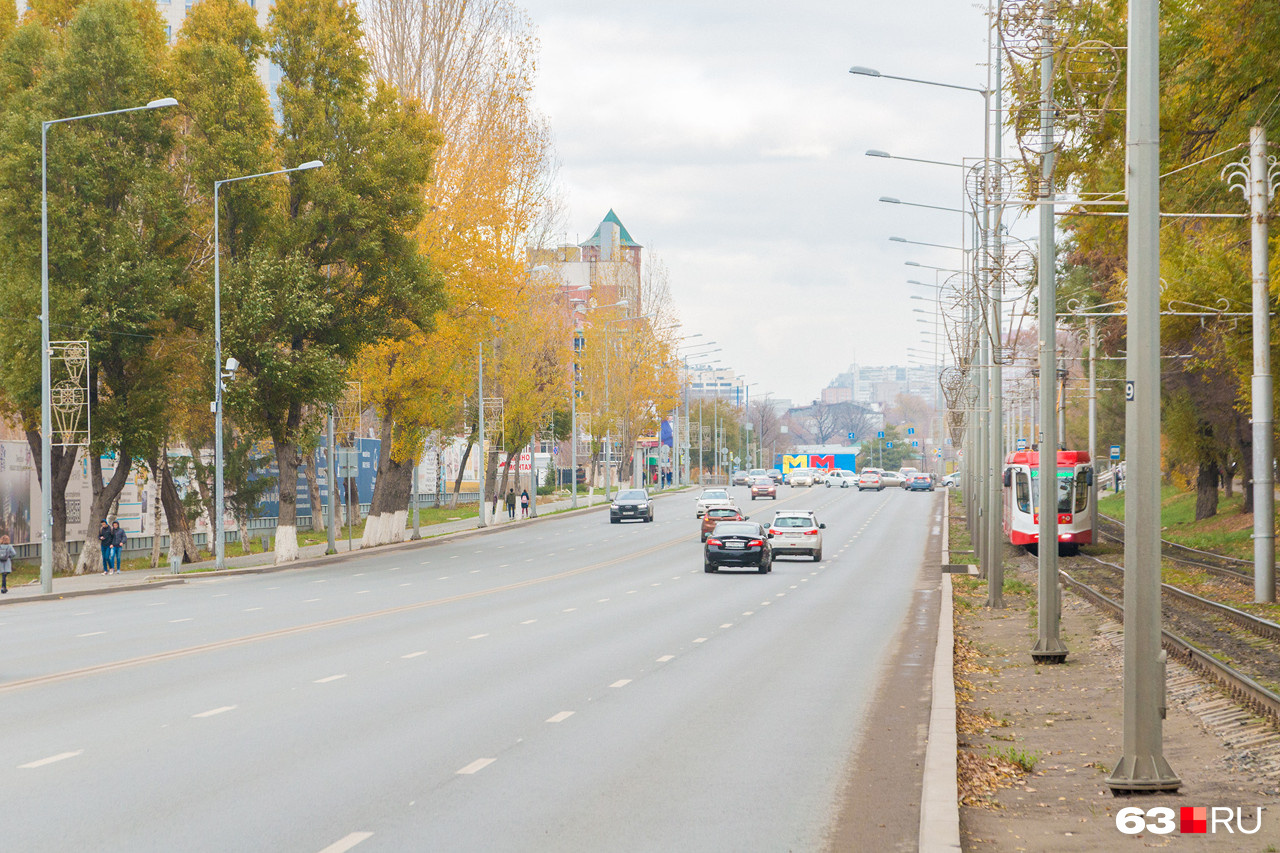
{"points": [[524, 503], [118, 536], [105, 540], [511, 503]]}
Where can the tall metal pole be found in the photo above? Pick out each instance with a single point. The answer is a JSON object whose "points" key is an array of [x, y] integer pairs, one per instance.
{"points": [[1143, 767], [46, 380], [1264, 525], [1049, 647], [1092, 325], [332, 526], [219, 494], [573, 425], [480, 426], [608, 433], [417, 532], [995, 406]]}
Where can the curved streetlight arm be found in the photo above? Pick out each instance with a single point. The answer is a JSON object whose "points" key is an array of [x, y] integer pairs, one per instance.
{"points": [[863, 71], [873, 152]]}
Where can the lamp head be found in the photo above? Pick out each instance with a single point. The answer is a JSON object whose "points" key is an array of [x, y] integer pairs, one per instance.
{"points": [[875, 152], [310, 164], [864, 71], [232, 365], [888, 199], [162, 102]]}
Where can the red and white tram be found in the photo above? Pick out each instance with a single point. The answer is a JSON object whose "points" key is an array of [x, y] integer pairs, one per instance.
{"points": [[1022, 499]]}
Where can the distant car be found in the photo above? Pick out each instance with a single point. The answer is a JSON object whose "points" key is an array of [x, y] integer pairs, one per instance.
{"points": [[631, 504], [763, 487], [714, 497], [952, 479], [757, 472], [919, 482], [893, 479], [800, 477], [842, 478], [775, 475], [907, 472], [870, 480], [797, 532], [819, 475], [741, 478], [717, 514], [738, 543]]}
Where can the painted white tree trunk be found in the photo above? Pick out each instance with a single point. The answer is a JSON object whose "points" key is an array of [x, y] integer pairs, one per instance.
{"points": [[372, 527], [396, 526], [286, 543]]}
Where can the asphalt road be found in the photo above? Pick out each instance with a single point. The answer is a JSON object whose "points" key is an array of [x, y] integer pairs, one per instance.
{"points": [[568, 685]]}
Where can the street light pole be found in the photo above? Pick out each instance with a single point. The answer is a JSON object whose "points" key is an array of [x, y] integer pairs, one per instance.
{"points": [[46, 364], [219, 497]]}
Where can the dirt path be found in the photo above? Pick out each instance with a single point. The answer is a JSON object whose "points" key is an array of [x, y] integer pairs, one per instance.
{"points": [[1066, 722]]}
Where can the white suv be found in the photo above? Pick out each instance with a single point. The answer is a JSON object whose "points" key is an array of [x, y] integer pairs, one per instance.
{"points": [[797, 532]]}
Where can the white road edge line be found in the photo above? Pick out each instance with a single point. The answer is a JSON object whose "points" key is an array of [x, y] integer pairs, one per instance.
{"points": [[476, 766], [214, 712], [342, 845], [50, 760]]}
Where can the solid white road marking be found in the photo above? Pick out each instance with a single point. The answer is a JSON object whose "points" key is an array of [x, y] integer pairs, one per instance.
{"points": [[666, 658], [622, 682], [330, 678], [413, 655], [91, 634], [476, 766], [342, 845], [561, 717], [51, 759], [478, 637], [214, 712]]}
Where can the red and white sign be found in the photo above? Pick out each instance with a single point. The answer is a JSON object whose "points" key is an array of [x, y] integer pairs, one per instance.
{"points": [[526, 463]]}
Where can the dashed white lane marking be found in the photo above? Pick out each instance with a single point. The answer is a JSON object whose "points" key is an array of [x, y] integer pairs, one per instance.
{"points": [[188, 619], [727, 625], [322, 580], [765, 603], [504, 565], [748, 613], [407, 584], [309, 600], [90, 634], [779, 594], [425, 563], [601, 600], [622, 682], [475, 571], [561, 717], [394, 569], [161, 603], [250, 609], [342, 845], [327, 679], [61, 756], [666, 658], [478, 637], [362, 592], [358, 575], [476, 766], [445, 578], [453, 556], [221, 594], [213, 712], [85, 613], [632, 591], [701, 640], [528, 621], [568, 610], [793, 586], [655, 584], [413, 655]]}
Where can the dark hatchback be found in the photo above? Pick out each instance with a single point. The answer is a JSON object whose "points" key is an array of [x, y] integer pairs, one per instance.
{"points": [[735, 544], [632, 503]]}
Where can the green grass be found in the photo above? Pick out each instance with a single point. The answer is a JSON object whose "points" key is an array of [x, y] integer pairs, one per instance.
{"points": [[1023, 758], [1227, 532]]}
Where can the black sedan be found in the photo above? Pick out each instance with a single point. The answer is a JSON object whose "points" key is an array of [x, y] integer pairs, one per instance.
{"points": [[632, 503], [738, 544]]}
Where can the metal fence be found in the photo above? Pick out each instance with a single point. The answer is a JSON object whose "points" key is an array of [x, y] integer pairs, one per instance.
{"points": [[136, 546]]}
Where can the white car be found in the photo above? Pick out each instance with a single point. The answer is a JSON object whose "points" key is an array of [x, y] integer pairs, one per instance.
{"points": [[797, 532], [800, 477], [819, 475], [714, 497], [842, 478]]}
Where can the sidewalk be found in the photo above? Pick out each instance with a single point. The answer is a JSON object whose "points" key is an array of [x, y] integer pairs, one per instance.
{"points": [[68, 586]]}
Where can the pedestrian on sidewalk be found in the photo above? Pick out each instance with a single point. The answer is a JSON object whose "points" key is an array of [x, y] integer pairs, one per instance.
{"points": [[524, 503], [7, 553], [511, 504], [117, 544], [105, 540]]}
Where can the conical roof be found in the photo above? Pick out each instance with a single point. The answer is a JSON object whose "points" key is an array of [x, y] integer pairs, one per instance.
{"points": [[624, 238]]}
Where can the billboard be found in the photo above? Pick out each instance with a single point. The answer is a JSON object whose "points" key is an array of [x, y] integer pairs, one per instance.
{"points": [[784, 462]]}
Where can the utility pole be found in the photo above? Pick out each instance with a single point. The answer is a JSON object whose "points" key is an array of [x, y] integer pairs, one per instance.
{"points": [[1143, 767], [480, 425], [1049, 647], [1264, 528], [1092, 325]]}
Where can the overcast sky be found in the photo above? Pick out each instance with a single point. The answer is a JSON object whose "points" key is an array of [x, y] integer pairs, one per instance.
{"points": [[729, 137]]}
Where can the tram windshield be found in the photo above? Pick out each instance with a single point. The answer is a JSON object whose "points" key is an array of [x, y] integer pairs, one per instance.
{"points": [[1066, 492]]}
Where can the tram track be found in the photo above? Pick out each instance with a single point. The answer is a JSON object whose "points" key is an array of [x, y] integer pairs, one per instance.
{"points": [[1234, 649], [1220, 565]]}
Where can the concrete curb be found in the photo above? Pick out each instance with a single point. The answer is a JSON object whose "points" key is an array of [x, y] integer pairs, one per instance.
{"points": [[150, 582], [940, 797]]}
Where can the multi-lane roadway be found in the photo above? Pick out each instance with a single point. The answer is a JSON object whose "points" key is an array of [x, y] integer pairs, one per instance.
{"points": [[563, 685]]}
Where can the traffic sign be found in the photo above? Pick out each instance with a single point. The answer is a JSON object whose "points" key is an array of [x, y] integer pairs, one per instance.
{"points": [[888, 445], [1022, 444], [938, 453], [911, 430], [880, 434], [915, 444], [851, 436], [1115, 453]]}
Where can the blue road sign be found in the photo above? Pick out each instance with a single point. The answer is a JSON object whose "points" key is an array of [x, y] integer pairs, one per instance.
{"points": [[915, 444], [880, 434], [889, 445], [1022, 444], [851, 436], [1115, 453], [911, 430]]}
